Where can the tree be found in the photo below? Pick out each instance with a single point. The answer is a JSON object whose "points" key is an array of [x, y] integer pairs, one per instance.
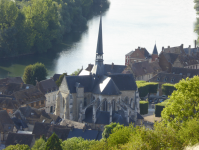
{"points": [[34, 72], [183, 104], [39, 144], [75, 73], [108, 129], [18, 147], [53, 143], [58, 82]]}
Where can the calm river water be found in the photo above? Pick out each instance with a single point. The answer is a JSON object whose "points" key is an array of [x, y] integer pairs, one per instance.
{"points": [[126, 25]]}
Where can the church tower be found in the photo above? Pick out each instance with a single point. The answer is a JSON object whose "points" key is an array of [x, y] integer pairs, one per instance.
{"points": [[155, 53], [98, 68]]}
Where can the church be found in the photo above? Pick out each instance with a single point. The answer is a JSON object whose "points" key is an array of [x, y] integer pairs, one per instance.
{"points": [[96, 97]]}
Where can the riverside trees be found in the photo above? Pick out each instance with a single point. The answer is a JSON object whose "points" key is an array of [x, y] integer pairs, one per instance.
{"points": [[33, 25]]}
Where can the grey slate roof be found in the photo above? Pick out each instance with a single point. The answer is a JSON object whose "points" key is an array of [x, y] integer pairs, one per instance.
{"points": [[100, 42], [185, 71], [167, 78], [192, 50], [19, 123], [119, 118], [171, 57], [56, 77], [155, 51], [46, 86], [106, 86], [18, 138], [85, 134], [109, 68], [103, 117], [11, 80]]}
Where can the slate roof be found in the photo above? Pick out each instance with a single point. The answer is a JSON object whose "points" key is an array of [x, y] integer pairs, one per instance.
{"points": [[19, 123], [144, 67], [188, 60], [155, 51], [56, 77], [46, 86], [119, 118], [171, 57], [29, 95], [33, 115], [145, 52], [85, 134], [106, 86], [48, 129], [167, 78], [128, 54], [11, 80], [102, 117], [108, 69], [18, 138], [185, 71], [192, 50], [10, 88]]}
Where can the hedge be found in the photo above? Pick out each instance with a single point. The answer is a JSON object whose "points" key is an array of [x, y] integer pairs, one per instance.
{"points": [[144, 105], [146, 87], [167, 88], [159, 107]]}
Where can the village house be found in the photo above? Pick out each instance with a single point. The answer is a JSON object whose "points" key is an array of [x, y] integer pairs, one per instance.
{"points": [[49, 89], [100, 92], [6, 125], [31, 97], [31, 115], [8, 80], [163, 78], [18, 138], [140, 55], [186, 72], [143, 70]]}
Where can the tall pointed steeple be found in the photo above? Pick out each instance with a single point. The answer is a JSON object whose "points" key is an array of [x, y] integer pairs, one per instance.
{"points": [[155, 51], [98, 69]]}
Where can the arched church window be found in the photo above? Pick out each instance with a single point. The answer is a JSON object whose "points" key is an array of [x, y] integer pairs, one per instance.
{"points": [[126, 100], [63, 102], [113, 105], [85, 102], [105, 105]]}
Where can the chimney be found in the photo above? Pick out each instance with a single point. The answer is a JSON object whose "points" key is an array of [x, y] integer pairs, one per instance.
{"points": [[163, 49], [168, 46], [138, 47], [182, 45], [21, 86], [195, 43], [112, 65], [189, 49]]}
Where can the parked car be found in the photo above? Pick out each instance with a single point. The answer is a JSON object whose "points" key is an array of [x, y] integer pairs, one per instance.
{"points": [[162, 100], [164, 96]]}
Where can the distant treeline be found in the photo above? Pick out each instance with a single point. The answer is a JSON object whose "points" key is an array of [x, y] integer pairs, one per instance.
{"points": [[32, 26]]}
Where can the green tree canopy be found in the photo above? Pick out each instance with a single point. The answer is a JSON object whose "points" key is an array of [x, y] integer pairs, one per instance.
{"points": [[40, 144], [183, 103], [59, 81], [108, 129], [53, 143], [34, 72], [75, 73], [18, 147]]}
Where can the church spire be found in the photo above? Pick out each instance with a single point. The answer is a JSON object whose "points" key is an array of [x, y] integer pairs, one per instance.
{"points": [[98, 69], [99, 42], [155, 51]]}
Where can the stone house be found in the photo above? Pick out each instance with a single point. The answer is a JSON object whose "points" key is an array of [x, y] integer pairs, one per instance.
{"points": [[139, 55], [163, 78], [18, 138], [49, 89], [143, 70], [98, 92], [31, 97], [6, 124], [185, 72], [175, 50], [32, 115]]}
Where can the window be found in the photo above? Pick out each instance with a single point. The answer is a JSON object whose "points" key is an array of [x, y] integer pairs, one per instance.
{"points": [[51, 109], [37, 103], [63, 102], [165, 79], [9, 127], [32, 104], [42, 102], [172, 80], [48, 98], [158, 79]]}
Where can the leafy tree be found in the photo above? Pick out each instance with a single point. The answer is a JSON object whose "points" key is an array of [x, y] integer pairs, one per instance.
{"points": [[183, 104], [17, 147], [167, 88], [34, 72], [39, 144], [59, 81], [53, 143], [108, 129], [75, 73]]}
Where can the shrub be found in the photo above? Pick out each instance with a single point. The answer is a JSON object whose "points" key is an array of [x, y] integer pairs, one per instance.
{"points": [[159, 107], [167, 88], [144, 107]]}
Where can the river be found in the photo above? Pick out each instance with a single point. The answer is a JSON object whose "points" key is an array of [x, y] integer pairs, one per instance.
{"points": [[126, 25]]}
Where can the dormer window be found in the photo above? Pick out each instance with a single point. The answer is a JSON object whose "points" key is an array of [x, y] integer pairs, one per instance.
{"points": [[158, 79], [172, 80], [165, 79]]}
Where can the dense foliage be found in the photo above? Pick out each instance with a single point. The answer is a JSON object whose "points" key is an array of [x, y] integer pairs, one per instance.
{"points": [[53, 143], [108, 129], [167, 88], [75, 73], [34, 72], [18, 147], [144, 105], [145, 88], [59, 81], [31, 26]]}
